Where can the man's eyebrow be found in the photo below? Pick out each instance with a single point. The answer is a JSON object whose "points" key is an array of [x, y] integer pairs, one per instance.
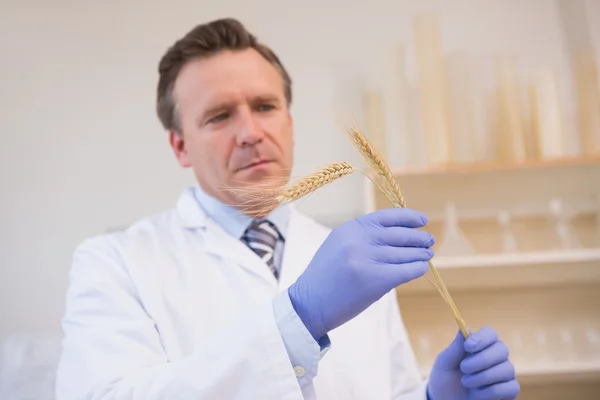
{"points": [[219, 106], [224, 105], [262, 98]]}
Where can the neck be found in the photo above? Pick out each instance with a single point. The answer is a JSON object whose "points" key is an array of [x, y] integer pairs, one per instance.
{"points": [[258, 207]]}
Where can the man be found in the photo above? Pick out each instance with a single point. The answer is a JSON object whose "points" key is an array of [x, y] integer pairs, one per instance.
{"points": [[205, 301]]}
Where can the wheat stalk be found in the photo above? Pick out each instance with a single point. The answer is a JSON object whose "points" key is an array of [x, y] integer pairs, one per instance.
{"points": [[392, 191]]}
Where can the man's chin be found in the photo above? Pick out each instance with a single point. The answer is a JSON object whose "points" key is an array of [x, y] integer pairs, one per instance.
{"points": [[257, 192], [262, 179]]}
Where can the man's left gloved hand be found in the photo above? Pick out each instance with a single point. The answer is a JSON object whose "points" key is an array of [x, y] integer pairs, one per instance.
{"points": [[474, 369]]}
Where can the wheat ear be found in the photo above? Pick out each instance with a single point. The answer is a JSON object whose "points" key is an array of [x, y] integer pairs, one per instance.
{"points": [[261, 200], [386, 179], [313, 182], [391, 189]]}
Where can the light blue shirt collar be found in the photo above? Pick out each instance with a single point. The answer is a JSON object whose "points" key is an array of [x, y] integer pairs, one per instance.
{"points": [[234, 221]]}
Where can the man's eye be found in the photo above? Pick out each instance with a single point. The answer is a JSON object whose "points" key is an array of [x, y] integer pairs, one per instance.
{"points": [[219, 118], [265, 107]]}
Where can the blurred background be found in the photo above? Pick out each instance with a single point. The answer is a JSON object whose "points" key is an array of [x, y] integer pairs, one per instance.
{"points": [[488, 112]]}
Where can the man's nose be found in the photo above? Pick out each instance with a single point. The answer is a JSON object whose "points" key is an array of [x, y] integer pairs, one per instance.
{"points": [[249, 132]]}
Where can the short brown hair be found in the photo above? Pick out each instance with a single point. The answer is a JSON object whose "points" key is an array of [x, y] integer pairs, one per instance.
{"points": [[203, 41]]}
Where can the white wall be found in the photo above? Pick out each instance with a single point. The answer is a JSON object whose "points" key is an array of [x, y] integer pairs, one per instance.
{"points": [[81, 150]]}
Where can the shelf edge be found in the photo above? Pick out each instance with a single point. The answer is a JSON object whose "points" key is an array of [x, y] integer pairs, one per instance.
{"points": [[517, 259]]}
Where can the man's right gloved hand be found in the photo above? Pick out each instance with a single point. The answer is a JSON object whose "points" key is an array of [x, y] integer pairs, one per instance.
{"points": [[358, 263]]}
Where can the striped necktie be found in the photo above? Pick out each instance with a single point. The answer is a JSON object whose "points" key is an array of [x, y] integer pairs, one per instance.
{"points": [[262, 236]]}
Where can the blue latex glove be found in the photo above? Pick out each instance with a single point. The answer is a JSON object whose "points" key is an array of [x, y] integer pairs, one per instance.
{"points": [[358, 263], [474, 369]]}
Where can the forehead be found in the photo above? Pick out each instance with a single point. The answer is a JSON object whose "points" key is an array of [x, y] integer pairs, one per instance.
{"points": [[226, 76]]}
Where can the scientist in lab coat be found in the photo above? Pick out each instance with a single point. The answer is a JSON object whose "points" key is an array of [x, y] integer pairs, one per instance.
{"points": [[204, 301]]}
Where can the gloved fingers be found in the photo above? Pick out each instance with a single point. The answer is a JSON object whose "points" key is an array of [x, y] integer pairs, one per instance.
{"points": [[499, 373], [402, 273], [399, 236], [395, 217], [493, 355], [401, 255], [503, 390], [449, 359], [481, 339]]}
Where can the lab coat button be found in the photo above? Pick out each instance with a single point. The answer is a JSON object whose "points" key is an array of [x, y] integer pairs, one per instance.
{"points": [[299, 370]]}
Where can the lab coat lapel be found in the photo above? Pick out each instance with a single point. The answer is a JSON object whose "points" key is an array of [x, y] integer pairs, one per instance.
{"points": [[218, 242], [303, 239], [221, 244]]}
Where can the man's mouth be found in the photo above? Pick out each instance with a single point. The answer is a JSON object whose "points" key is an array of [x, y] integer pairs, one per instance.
{"points": [[257, 163]]}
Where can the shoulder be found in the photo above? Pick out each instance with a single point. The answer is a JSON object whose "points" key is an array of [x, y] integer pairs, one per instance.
{"points": [[109, 253], [150, 227]]}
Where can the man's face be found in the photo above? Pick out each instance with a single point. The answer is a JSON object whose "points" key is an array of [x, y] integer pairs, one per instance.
{"points": [[236, 127]]}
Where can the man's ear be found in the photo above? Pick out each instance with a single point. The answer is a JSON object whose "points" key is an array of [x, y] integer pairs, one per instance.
{"points": [[178, 145]]}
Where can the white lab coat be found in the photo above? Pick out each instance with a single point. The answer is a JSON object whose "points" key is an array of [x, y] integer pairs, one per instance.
{"points": [[175, 308]]}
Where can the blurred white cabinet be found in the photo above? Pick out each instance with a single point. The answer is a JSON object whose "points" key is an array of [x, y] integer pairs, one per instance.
{"points": [[533, 276]]}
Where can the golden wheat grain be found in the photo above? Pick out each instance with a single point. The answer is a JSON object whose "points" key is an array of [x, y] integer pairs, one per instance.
{"points": [[376, 161], [313, 182]]}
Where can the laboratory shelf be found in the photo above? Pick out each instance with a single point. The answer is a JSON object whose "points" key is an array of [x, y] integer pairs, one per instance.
{"points": [[490, 188], [554, 372], [578, 370], [482, 167], [488, 271], [518, 247]]}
